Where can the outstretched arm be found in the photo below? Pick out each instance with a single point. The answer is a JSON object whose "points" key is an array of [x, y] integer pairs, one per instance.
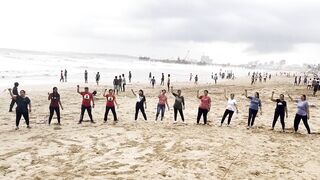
{"points": [[225, 95], [291, 99], [272, 99], [246, 93], [78, 89], [133, 92], [198, 94], [10, 92]]}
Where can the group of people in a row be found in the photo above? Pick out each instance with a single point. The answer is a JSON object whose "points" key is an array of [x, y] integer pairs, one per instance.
{"points": [[24, 106]]}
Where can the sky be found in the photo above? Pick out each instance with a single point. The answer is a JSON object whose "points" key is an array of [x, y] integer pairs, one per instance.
{"points": [[234, 31]]}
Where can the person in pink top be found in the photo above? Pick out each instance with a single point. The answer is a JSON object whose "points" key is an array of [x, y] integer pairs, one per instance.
{"points": [[163, 101], [204, 107]]}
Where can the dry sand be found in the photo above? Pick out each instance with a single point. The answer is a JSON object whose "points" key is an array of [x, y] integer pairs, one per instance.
{"points": [[141, 150]]}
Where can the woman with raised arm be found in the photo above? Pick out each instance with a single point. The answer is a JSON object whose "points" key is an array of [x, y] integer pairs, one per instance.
{"points": [[231, 108], [161, 107], [204, 107], [141, 104], [55, 104], [23, 102], [178, 105], [87, 98], [110, 105], [302, 112], [255, 104], [281, 110]]}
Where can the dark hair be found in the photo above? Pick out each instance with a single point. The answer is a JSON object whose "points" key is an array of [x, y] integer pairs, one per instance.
{"points": [[141, 91], [206, 91], [23, 91], [16, 84], [54, 88], [258, 95], [110, 90], [86, 88], [304, 96], [94, 93]]}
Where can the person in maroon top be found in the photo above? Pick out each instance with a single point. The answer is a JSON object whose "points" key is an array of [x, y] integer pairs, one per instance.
{"points": [[110, 105], [204, 107], [87, 98], [55, 104]]}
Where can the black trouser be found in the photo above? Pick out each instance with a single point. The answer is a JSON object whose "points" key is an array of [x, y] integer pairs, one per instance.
{"points": [[162, 82], [141, 108], [113, 110], [25, 116], [226, 113], [57, 110], [297, 120], [278, 113], [203, 112], [252, 116], [12, 104], [175, 111], [124, 87], [83, 109]]}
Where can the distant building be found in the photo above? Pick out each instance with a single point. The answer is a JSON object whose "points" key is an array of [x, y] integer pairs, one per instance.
{"points": [[206, 60]]}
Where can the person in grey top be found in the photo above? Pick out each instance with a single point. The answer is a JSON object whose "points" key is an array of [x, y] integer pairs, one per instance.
{"points": [[178, 105], [302, 112], [255, 104]]}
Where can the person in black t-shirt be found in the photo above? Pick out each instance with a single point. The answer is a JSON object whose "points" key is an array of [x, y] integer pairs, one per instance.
{"points": [[141, 104], [281, 110], [22, 107], [14, 92], [178, 105]]}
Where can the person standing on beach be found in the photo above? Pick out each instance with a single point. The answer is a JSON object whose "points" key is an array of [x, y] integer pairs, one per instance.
{"points": [[141, 104], [124, 83], [302, 113], [281, 110], [215, 78], [150, 75], [196, 79], [130, 76], [162, 80], [110, 105], [153, 82], [204, 107], [85, 76], [161, 107], [116, 85], [315, 87], [87, 98], [120, 83], [61, 76], [255, 104], [168, 83], [23, 102], [65, 75], [190, 79], [15, 93], [97, 78], [179, 105], [231, 108], [55, 104]]}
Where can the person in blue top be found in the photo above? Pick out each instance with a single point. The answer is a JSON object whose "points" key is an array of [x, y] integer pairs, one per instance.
{"points": [[302, 112], [255, 104]]}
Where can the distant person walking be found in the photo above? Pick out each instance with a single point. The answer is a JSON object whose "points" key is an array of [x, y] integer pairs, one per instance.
{"points": [[61, 76], [215, 78], [130, 76], [162, 80], [55, 104], [116, 85], [190, 79], [97, 78], [15, 93], [153, 82], [65, 75], [124, 83], [85, 76], [23, 107], [196, 79], [168, 83]]}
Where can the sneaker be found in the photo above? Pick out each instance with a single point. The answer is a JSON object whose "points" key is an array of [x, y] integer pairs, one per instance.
{"points": [[17, 128], [248, 127], [79, 122], [28, 127]]}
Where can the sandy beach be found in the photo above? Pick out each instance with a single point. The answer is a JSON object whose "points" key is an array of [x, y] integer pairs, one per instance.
{"points": [[145, 150]]}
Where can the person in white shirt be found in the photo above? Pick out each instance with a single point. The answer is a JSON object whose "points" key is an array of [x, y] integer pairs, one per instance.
{"points": [[231, 108]]}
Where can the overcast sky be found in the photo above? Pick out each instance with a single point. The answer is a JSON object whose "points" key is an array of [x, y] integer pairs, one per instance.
{"points": [[233, 31]]}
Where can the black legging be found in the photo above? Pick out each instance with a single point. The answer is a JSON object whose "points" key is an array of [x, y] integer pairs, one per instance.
{"points": [[83, 109], [57, 110], [141, 108], [175, 111], [12, 104], [297, 120], [113, 110], [252, 116], [25, 116], [203, 112], [226, 113], [124, 87], [278, 113]]}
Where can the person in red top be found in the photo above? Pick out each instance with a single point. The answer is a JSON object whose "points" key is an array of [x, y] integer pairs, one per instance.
{"points": [[204, 107], [110, 105], [55, 104], [87, 97], [163, 101]]}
